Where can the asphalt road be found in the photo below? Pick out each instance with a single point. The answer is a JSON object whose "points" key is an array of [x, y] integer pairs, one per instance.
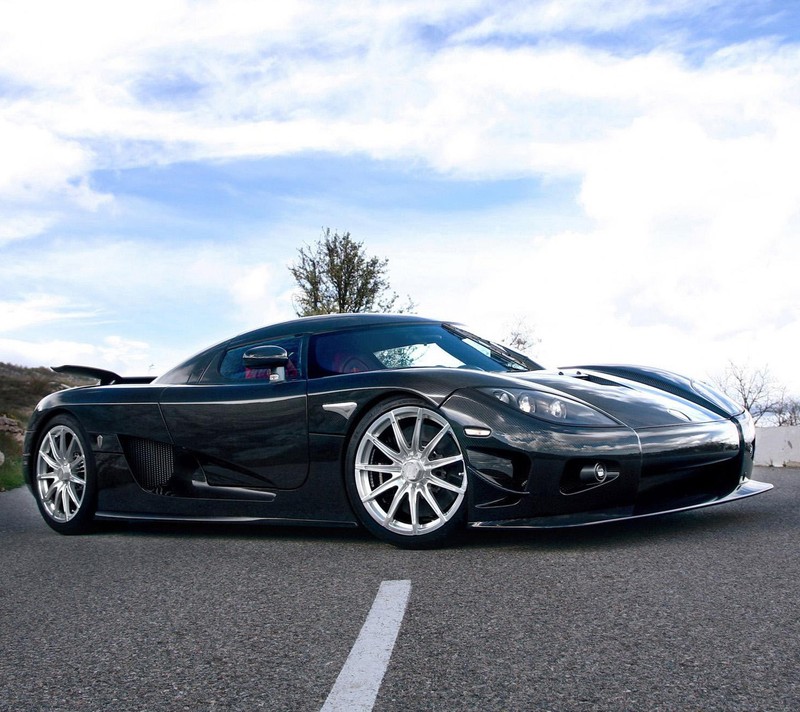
{"points": [[695, 611]]}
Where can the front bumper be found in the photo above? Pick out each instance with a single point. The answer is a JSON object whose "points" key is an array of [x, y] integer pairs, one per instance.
{"points": [[748, 488], [532, 474]]}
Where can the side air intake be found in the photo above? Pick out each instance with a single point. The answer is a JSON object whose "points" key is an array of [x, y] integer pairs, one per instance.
{"points": [[151, 462]]}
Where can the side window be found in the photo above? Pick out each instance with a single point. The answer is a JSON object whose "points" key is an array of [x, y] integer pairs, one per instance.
{"points": [[332, 354], [232, 367]]}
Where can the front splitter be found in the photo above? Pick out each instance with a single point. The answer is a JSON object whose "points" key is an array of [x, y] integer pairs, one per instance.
{"points": [[748, 488]]}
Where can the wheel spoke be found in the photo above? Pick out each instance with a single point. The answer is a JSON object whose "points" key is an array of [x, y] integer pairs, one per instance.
{"points": [[381, 469], [383, 487], [396, 501], [411, 490], [60, 443], [48, 496], [413, 508], [54, 453], [431, 500], [64, 499], [435, 440], [49, 460], [75, 480], [445, 461], [415, 438], [444, 484], [398, 435], [73, 495], [69, 452], [395, 457], [77, 471], [61, 473]]}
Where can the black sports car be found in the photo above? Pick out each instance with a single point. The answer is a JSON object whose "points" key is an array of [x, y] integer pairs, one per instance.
{"points": [[411, 427]]}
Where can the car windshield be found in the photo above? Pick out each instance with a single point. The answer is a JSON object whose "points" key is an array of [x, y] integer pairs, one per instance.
{"points": [[410, 346]]}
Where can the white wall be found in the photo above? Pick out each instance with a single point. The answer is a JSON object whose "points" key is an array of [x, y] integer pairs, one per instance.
{"points": [[778, 447]]}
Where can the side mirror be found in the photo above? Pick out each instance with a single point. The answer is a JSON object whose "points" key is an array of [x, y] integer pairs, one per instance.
{"points": [[265, 357]]}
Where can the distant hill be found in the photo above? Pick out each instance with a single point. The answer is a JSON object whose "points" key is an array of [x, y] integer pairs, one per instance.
{"points": [[22, 388]]}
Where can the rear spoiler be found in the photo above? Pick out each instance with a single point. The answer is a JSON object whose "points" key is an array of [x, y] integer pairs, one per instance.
{"points": [[106, 378]]}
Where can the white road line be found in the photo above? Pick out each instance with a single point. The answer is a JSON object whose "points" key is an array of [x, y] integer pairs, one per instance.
{"points": [[360, 679]]}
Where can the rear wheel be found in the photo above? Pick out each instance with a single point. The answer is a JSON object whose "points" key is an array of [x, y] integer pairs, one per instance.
{"points": [[406, 474], [64, 476]]}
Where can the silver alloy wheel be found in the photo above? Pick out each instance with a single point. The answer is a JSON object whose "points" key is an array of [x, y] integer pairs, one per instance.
{"points": [[61, 473], [410, 472]]}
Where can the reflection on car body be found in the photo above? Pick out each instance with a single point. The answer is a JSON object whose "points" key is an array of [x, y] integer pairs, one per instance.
{"points": [[410, 427]]}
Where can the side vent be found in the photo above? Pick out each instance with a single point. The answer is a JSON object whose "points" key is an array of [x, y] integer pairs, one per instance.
{"points": [[507, 474], [151, 462]]}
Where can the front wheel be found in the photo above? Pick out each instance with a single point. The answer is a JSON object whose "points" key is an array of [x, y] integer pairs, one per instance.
{"points": [[64, 477], [406, 475]]}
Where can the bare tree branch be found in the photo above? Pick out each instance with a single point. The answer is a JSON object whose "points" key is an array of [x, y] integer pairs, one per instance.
{"points": [[521, 336], [754, 388], [786, 410]]}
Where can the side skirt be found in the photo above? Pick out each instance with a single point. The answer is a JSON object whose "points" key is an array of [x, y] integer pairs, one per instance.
{"points": [[127, 516]]}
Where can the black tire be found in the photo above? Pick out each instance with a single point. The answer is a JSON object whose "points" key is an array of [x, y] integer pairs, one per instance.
{"points": [[406, 474], [65, 476]]}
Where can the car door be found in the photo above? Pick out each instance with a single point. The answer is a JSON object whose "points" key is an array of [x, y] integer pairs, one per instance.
{"points": [[247, 427]]}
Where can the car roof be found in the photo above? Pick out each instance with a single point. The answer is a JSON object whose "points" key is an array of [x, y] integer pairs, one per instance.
{"points": [[191, 367], [328, 322]]}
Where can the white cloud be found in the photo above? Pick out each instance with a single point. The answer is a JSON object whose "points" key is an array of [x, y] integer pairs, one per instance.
{"points": [[39, 165], [546, 16], [251, 287], [335, 78], [191, 295], [119, 281], [127, 355], [689, 171], [39, 309], [113, 353], [23, 225]]}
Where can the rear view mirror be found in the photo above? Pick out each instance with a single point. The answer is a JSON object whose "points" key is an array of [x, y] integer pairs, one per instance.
{"points": [[265, 357]]}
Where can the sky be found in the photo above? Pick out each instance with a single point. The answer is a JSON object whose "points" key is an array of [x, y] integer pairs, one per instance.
{"points": [[621, 176]]}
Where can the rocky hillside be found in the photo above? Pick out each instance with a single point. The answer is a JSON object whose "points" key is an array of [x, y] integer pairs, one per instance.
{"points": [[20, 390]]}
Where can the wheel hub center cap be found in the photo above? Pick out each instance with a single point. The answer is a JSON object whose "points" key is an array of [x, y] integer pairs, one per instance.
{"points": [[413, 471]]}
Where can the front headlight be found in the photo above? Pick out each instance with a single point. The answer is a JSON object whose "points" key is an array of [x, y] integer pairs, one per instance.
{"points": [[550, 407], [748, 427]]}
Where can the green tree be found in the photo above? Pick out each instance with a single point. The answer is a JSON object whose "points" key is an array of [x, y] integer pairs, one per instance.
{"points": [[336, 276]]}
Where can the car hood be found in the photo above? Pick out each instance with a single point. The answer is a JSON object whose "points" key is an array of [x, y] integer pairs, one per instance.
{"points": [[635, 404]]}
